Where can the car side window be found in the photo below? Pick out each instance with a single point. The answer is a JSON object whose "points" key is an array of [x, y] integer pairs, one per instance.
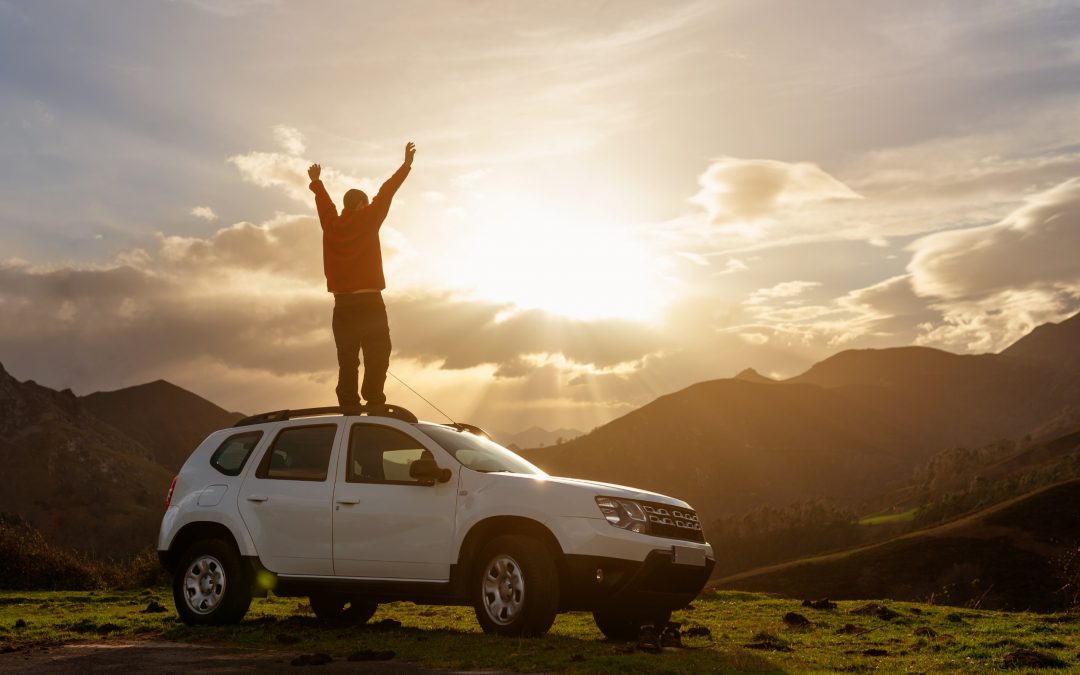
{"points": [[299, 453], [234, 451], [379, 454]]}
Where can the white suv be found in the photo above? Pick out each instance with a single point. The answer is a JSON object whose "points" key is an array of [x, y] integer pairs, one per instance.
{"points": [[353, 509]]}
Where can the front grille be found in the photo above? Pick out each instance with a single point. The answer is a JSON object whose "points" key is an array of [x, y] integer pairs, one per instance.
{"points": [[673, 522]]}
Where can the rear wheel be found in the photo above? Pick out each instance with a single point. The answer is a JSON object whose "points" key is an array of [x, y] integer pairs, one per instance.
{"points": [[515, 587], [339, 607], [210, 584], [624, 626]]}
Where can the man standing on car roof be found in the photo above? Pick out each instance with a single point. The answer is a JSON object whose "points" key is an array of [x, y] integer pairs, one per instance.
{"points": [[352, 262]]}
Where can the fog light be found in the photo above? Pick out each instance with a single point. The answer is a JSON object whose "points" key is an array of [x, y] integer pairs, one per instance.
{"points": [[599, 575]]}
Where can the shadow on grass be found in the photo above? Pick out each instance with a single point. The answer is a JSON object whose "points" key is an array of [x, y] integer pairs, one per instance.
{"points": [[450, 648]]}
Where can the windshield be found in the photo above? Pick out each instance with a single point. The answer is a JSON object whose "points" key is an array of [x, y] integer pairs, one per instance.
{"points": [[477, 452]]}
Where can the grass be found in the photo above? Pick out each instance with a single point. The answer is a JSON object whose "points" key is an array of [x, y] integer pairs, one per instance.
{"points": [[922, 638], [890, 517]]}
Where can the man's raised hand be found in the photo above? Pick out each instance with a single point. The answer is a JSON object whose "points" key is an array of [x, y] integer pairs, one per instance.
{"points": [[313, 172], [410, 150]]}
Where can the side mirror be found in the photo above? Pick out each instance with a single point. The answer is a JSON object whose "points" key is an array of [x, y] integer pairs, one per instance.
{"points": [[428, 470]]}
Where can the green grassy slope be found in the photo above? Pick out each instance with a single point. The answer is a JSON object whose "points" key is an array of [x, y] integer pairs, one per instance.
{"points": [[1004, 556]]}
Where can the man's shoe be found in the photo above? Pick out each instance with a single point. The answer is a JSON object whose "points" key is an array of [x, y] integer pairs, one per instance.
{"points": [[671, 637]]}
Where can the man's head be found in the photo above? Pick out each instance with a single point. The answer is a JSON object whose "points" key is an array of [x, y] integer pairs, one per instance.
{"points": [[355, 199]]}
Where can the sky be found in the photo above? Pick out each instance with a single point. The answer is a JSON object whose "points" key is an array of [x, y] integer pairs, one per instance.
{"points": [[610, 200]]}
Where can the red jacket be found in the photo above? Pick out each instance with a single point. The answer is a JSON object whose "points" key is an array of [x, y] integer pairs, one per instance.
{"points": [[352, 254]]}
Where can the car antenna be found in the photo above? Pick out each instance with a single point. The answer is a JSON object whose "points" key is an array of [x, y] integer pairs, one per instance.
{"points": [[422, 398]]}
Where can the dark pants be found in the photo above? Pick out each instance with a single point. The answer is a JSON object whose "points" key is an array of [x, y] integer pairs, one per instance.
{"points": [[360, 324]]}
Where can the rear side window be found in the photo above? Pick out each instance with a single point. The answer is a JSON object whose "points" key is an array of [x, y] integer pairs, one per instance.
{"points": [[299, 453], [234, 451]]}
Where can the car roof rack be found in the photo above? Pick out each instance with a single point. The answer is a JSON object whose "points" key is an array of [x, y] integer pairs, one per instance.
{"points": [[394, 411]]}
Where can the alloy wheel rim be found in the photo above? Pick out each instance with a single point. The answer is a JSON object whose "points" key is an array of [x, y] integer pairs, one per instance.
{"points": [[204, 584], [504, 589]]}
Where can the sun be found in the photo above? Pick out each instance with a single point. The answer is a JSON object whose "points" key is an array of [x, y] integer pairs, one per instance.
{"points": [[547, 257]]}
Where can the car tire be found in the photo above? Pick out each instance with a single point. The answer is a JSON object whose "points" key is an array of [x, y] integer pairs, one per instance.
{"points": [[211, 585], [345, 608], [515, 587], [623, 626]]}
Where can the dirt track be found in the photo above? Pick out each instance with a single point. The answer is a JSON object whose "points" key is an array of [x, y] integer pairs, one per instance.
{"points": [[174, 657]]}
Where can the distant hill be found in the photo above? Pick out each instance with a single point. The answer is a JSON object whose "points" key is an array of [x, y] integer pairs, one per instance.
{"points": [[853, 426], [1050, 343], [81, 482], [168, 420], [751, 375], [1004, 557], [536, 437]]}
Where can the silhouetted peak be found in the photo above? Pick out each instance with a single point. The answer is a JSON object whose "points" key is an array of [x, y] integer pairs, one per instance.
{"points": [[1054, 343], [751, 375]]}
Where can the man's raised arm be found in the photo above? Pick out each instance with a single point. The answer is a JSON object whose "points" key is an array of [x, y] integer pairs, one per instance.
{"points": [[323, 204], [386, 192]]}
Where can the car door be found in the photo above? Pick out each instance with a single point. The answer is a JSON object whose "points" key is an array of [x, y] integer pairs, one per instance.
{"points": [[386, 524], [286, 501]]}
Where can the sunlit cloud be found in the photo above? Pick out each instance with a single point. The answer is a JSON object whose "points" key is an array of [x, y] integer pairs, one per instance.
{"points": [[741, 195], [204, 213]]}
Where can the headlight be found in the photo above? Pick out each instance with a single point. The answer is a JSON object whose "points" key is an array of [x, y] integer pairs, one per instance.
{"points": [[624, 513]]}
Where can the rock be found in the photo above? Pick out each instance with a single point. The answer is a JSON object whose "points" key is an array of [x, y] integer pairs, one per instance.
{"points": [[796, 620], [385, 624], [876, 609], [311, 660], [1029, 658], [768, 642], [153, 607], [823, 603], [698, 631], [925, 631], [372, 655], [875, 652], [20, 623]]}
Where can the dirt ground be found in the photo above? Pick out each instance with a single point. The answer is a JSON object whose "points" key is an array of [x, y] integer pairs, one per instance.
{"points": [[174, 657]]}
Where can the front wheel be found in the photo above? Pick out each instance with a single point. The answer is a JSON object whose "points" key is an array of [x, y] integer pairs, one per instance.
{"points": [[337, 607], [210, 585], [515, 587], [624, 626]]}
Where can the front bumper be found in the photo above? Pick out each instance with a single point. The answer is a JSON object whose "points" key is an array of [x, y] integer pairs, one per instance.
{"points": [[658, 583]]}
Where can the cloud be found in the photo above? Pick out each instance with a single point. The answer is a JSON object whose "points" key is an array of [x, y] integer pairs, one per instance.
{"points": [[290, 139], [784, 289], [992, 284], [1033, 247], [740, 193], [205, 213]]}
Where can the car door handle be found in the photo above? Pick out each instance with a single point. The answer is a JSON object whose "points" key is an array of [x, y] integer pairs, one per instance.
{"points": [[351, 500], [257, 498]]}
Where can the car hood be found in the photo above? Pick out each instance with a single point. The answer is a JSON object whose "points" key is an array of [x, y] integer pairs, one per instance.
{"points": [[561, 496]]}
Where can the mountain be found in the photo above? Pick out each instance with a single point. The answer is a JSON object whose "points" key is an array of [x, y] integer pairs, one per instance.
{"points": [[1004, 557], [537, 437], [1051, 343], [727, 445], [163, 417], [853, 426], [751, 375], [81, 482]]}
